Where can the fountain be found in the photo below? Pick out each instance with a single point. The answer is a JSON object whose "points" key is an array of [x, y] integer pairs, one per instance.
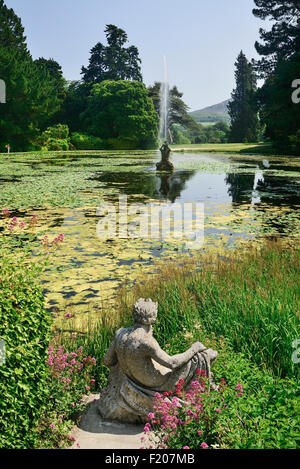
{"points": [[164, 105], [164, 164]]}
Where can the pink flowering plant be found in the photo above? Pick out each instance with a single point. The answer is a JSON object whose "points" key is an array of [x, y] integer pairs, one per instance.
{"points": [[192, 419], [70, 378]]}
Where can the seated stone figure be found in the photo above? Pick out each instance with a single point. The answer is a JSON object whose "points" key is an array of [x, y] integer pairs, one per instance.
{"points": [[139, 368]]}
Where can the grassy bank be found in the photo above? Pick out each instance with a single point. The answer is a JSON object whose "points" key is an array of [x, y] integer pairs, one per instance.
{"points": [[250, 296], [248, 148]]}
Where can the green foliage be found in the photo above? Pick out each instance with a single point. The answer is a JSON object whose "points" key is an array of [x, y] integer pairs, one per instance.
{"points": [[278, 112], [283, 40], [70, 377], [32, 96], [242, 110], [121, 110], [54, 138], [251, 409], [114, 61], [280, 66], [86, 142], [178, 136], [74, 104], [25, 330]]}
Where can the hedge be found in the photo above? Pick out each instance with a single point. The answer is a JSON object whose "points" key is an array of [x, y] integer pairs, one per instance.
{"points": [[25, 331]]}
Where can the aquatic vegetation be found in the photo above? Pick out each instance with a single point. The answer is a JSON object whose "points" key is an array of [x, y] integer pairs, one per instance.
{"points": [[244, 198]]}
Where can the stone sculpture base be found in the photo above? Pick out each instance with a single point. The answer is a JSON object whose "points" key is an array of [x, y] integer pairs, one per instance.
{"points": [[164, 166]]}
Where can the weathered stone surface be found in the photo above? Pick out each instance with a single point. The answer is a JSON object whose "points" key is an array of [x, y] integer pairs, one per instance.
{"points": [[139, 368], [95, 433]]}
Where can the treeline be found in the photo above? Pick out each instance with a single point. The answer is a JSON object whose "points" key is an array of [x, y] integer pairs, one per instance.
{"points": [[271, 112], [110, 107]]}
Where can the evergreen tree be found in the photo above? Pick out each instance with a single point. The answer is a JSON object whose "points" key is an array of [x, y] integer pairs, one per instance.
{"points": [[114, 61], [242, 108], [280, 65], [75, 103], [31, 95], [283, 40]]}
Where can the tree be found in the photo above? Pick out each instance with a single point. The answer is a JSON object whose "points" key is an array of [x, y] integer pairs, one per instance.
{"points": [[280, 65], [242, 108], [114, 61], [121, 113], [55, 73], [75, 103], [31, 96], [283, 40], [278, 112], [177, 112]]}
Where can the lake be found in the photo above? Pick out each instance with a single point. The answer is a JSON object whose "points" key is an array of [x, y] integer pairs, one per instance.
{"points": [[245, 197]]}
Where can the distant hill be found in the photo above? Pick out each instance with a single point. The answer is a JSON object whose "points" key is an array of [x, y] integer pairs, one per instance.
{"points": [[210, 114]]}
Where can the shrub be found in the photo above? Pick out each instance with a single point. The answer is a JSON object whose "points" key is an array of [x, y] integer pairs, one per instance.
{"points": [[55, 138], [86, 142], [123, 143], [25, 329]]}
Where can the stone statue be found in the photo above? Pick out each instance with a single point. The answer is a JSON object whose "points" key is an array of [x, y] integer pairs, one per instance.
{"points": [[165, 163], [139, 368]]}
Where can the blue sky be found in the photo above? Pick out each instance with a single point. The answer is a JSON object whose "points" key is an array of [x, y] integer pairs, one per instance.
{"points": [[200, 38]]}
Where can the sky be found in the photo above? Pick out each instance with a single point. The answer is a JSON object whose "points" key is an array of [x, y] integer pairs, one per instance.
{"points": [[201, 39]]}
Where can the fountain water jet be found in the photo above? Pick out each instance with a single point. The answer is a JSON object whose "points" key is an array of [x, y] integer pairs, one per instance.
{"points": [[164, 105]]}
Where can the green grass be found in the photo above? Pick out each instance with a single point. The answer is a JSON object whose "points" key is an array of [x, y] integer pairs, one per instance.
{"points": [[250, 297], [261, 148]]}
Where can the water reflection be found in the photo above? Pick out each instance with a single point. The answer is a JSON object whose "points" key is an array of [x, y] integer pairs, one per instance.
{"points": [[172, 185]]}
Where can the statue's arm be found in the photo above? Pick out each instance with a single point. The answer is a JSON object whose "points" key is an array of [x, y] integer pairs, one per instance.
{"points": [[111, 358], [176, 361]]}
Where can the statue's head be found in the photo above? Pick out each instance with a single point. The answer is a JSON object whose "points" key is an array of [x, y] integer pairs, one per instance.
{"points": [[145, 311]]}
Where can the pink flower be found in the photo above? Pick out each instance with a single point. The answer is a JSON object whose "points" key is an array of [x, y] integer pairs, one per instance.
{"points": [[240, 389], [151, 416], [218, 410], [52, 425], [186, 447], [203, 446], [200, 432], [78, 445], [147, 428]]}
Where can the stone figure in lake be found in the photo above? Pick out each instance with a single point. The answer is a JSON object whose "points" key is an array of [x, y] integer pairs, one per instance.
{"points": [[139, 368], [165, 163]]}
